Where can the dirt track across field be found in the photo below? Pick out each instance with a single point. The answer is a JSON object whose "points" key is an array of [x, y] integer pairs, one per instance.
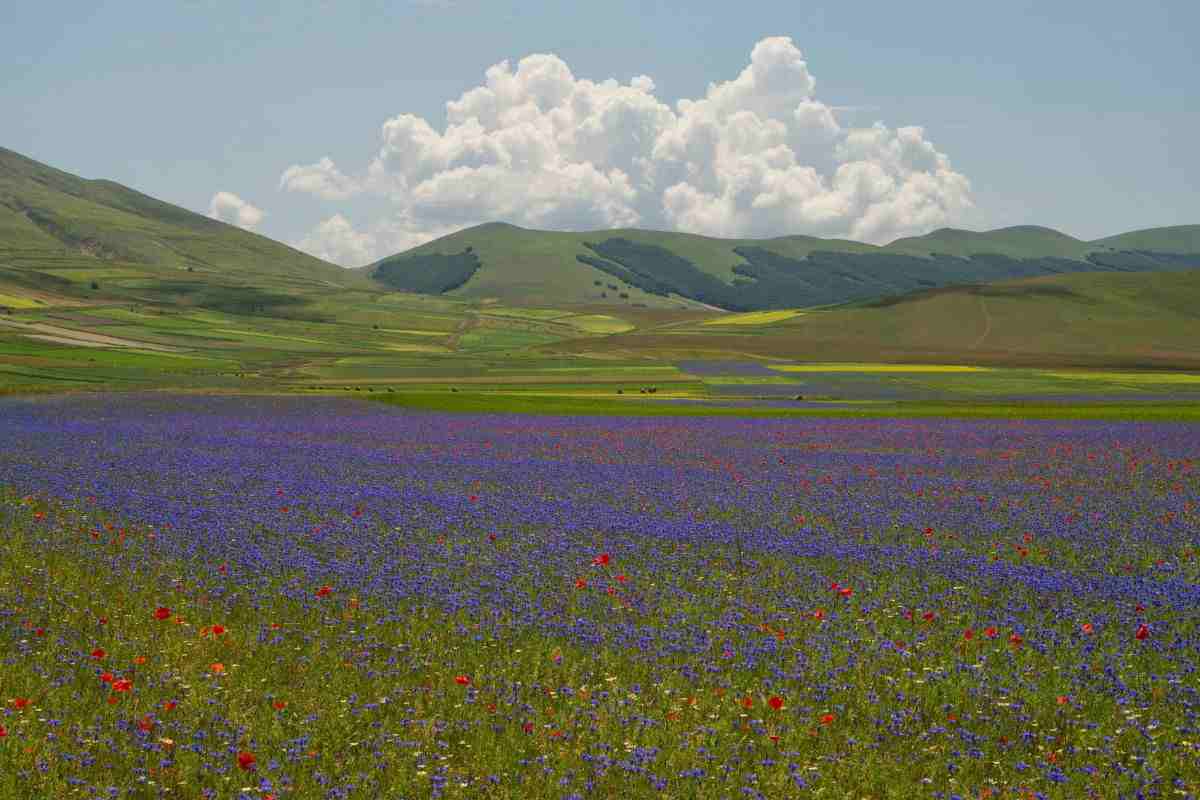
{"points": [[54, 333]]}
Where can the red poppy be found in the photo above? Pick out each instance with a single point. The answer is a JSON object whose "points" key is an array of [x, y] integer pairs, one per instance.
{"points": [[1142, 633], [928, 616], [601, 560], [324, 591], [968, 634], [621, 578], [107, 677], [162, 613], [846, 591], [217, 630], [1139, 608], [20, 702], [223, 569], [246, 761], [491, 537], [819, 614], [123, 685], [146, 724], [3, 731], [279, 705], [828, 718], [775, 702], [40, 632], [217, 668], [580, 583], [747, 702], [991, 632], [99, 654], [527, 727], [462, 680], [1087, 628], [169, 705], [1062, 699], [139, 660]]}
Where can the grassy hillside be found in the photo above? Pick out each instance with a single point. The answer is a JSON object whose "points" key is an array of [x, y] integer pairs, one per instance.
{"points": [[1175, 239], [1023, 241], [659, 269], [1139, 320], [65, 234]]}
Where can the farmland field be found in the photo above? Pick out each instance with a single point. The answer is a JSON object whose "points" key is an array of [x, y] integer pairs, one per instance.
{"points": [[257, 597]]}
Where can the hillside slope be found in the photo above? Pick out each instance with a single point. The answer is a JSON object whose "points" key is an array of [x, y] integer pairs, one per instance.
{"points": [[64, 232], [1096, 319], [665, 269]]}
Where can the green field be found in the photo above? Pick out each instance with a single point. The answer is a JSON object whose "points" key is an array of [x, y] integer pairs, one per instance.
{"points": [[103, 288]]}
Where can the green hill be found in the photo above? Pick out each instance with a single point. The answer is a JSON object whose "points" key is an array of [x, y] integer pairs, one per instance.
{"points": [[663, 269], [1091, 319], [1176, 239], [67, 234], [1022, 241]]}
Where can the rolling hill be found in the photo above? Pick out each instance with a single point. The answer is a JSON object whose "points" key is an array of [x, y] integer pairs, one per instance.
{"points": [[65, 234], [1148, 320], [662, 269]]}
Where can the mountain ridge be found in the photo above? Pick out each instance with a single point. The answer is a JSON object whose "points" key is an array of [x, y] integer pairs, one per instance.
{"points": [[668, 268]]}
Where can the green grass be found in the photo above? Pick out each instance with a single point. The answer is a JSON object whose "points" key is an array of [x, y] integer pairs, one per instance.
{"points": [[637, 405]]}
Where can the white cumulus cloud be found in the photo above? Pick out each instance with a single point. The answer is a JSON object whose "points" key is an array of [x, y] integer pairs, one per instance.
{"points": [[228, 207], [757, 155], [322, 179], [336, 240]]}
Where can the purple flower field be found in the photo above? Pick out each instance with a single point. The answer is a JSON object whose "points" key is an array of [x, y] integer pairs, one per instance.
{"points": [[520, 606]]}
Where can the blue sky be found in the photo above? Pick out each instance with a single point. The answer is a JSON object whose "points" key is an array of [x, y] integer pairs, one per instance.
{"points": [[1081, 116]]}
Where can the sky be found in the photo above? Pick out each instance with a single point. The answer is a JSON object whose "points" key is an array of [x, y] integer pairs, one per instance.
{"points": [[354, 130]]}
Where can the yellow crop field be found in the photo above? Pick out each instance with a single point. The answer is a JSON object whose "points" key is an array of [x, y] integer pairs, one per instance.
{"points": [[1127, 377], [756, 317], [598, 323], [262, 335], [16, 301]]}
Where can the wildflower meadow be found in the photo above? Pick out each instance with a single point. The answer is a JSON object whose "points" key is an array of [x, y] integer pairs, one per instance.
{"points": [[220, 597]]}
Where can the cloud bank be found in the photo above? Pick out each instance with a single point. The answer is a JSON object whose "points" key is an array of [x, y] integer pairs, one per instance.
{"points": [[228, 207], [758, 155]]}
